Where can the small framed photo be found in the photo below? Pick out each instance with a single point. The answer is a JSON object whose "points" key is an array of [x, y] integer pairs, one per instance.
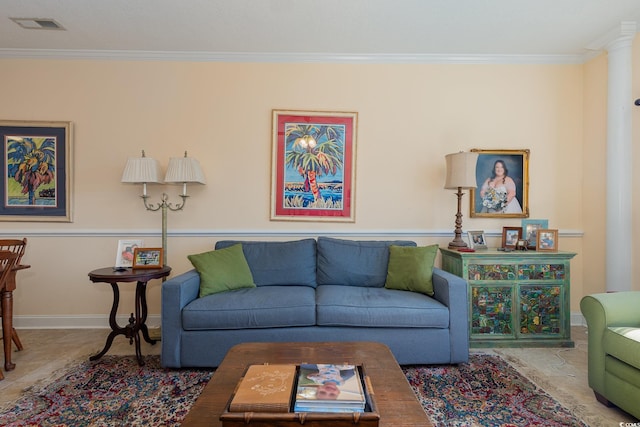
{"points": [[547, 240], [530, 229], [510, 236], [477, 239], [147, 258], [124, 256]]}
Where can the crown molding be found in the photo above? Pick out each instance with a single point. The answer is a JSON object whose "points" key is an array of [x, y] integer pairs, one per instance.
{"points": [[131, 55], [624, 32]]}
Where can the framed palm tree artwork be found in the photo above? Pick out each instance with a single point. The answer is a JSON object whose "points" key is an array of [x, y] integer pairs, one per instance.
{"points": [[313, 166], [36, 164]]}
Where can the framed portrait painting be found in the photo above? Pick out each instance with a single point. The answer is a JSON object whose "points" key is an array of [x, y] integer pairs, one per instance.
{"points": [[502, 178], [313, 166], [36, 165]]}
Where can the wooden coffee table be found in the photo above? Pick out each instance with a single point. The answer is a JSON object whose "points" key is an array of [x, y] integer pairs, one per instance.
{"points": [[395, 400]]}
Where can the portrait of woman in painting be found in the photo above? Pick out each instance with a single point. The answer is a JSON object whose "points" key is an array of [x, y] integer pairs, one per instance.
{"points": [[502, 184], [498, 191]]}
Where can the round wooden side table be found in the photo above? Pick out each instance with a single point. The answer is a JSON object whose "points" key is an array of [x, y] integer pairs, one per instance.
{"points": [[137, 321]]}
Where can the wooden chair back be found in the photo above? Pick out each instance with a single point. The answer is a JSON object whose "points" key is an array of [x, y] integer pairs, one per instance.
{"points": [[17, 246], [7, 261]]}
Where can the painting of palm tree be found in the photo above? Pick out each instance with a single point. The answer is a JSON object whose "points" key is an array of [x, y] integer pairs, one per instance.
{"points": [[313, 166], [31, 165], [36, 181], [315, 151]]}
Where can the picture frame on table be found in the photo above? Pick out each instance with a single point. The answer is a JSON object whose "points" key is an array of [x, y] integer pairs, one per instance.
{"points": [[477, 239], [530, 229], [313, 166], [124, 255], [501, 198], [510, 237], [147, 258], [37, 166], [547, 240]]}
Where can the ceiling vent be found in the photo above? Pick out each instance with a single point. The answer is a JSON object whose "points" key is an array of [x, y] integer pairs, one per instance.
{"points": [[38, 23]]}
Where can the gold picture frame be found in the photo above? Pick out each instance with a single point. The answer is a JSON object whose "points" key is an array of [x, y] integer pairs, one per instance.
{"points": [[147, 258], [506, 198]]}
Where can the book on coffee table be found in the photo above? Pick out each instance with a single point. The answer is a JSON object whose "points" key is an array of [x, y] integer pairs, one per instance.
{"points": [[329, 388], [265, 388]]}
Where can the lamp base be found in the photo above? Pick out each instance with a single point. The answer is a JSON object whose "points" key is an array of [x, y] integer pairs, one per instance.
{"points": [[457, 244]]}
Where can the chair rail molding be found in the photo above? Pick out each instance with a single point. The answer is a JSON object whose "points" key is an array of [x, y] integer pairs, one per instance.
{"points": [[120, 233]]}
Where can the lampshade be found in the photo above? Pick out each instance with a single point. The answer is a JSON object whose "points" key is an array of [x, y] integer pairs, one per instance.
{"points": [[461, 170], [184, 169], [140, 170]]}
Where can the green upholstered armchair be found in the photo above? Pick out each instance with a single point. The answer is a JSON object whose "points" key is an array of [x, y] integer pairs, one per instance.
{"points": [[613, 321]]}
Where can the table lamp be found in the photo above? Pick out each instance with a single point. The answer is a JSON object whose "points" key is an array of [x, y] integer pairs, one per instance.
{"points": [[461, 174]]}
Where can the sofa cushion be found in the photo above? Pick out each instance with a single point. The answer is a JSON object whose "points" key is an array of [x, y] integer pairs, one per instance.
{"points": [[354, 262], [222, 270], [411, 268], [279, 263], [378, 307], [260, 307], [623, 343]]}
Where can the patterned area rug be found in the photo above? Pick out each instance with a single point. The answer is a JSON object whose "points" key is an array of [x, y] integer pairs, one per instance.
{"points": [[115, 391], [487, 391]]}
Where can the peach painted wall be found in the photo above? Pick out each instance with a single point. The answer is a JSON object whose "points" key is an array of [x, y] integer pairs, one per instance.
{"points": [[594, 163], [410, 116]]}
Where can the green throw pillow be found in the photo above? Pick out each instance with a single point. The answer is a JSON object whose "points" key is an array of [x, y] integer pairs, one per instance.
{"points": [[222, 270], [410, 268]]}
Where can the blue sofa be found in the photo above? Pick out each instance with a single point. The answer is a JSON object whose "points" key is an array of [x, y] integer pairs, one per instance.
{"points": [[315, 290]]}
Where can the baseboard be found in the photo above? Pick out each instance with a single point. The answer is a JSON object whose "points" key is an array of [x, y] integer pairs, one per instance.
{"points": [[76, 322], [577, 319], [153, 321]]}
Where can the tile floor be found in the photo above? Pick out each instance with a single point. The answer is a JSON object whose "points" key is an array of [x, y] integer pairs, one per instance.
{"points": [[562, 372]]}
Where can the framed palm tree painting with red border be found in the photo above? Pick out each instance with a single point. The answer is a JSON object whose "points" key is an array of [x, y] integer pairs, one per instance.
{"points": [[313, 166], [36, 164]]}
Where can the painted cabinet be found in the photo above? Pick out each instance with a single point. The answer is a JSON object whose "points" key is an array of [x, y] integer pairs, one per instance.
{"points": [[516, 299]]}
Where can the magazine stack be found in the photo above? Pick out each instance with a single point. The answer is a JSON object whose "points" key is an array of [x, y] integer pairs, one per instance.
{"points": [[329, 388]]}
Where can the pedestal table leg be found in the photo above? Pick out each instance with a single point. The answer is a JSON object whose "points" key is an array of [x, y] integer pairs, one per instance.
{"points": [[143, 311], [115, 329]]}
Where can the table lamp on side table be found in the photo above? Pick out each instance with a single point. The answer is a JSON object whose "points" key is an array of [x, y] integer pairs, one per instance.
{"points": [[461, 174]]}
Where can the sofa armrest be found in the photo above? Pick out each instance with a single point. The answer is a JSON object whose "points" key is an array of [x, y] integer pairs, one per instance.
{"points": [[451, 291], [177, 292], [602, 311]]}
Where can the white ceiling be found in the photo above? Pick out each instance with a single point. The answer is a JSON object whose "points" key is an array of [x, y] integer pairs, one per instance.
{"points": [[347, 29]]}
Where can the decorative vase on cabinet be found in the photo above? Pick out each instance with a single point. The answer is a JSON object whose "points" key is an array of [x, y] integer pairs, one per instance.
{"points": [[516, 299]]}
